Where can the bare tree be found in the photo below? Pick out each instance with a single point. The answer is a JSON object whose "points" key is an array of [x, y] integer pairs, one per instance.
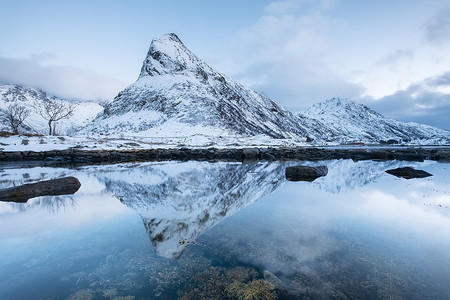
{"points": [[54, 111], [15, 115]]}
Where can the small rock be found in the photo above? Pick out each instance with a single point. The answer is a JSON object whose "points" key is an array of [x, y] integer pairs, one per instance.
{"points": [[408, 173], [305, 173]]}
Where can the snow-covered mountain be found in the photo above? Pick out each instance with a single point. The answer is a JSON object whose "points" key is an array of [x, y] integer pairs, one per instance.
{"points": [[346, 121], [33, 99], [177, 94]]}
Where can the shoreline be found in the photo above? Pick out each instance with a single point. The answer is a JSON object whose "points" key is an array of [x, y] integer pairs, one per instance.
{"points": [[78, 156]]}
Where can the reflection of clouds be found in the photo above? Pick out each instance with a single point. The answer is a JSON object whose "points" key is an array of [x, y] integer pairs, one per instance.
{"points": [[301, 226], [54, 215], [399, 214]]}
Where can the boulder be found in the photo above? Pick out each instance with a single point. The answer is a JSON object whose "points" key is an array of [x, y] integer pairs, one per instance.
{"points": [[54, 187], [408, 173], [305, 173]]}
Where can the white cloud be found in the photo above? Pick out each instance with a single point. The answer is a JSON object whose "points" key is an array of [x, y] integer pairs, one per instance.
{"points": [[62, 81], [396, 57], [288, 55]]}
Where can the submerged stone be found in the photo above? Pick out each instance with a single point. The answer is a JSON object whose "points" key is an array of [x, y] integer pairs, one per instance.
{"points": [[54, 187], [305, 173], [408, 173]]}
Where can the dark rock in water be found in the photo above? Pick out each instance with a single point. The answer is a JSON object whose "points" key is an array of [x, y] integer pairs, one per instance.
{"points": [[54, 187], [305, 173], [250, 153], [408, 173]]}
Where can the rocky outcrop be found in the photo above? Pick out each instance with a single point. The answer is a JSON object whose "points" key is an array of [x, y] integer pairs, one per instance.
{"points": [[305, 173], [408, 173], [54, 187]]}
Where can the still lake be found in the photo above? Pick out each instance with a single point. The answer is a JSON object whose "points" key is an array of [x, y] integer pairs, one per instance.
{"points": [[201, 230]]}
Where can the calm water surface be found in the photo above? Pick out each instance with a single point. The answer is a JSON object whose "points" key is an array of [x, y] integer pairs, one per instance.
{"points": [[199, 230]]}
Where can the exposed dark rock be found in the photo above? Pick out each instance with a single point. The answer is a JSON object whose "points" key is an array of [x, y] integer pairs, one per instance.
{"points": [[54, 187], [305, 173], [408, 173]]}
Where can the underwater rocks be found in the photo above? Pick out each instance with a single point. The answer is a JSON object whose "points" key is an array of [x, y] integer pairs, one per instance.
{"points": [[408, 173], [79, 156], [305, 173], [54, 187]]}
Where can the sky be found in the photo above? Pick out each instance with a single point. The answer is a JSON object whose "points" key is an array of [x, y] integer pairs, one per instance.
{"points": [[392, 55]]}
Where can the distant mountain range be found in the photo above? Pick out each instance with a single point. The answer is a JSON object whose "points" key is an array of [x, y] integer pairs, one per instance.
{"points": [[347, 121], [179, 95]]}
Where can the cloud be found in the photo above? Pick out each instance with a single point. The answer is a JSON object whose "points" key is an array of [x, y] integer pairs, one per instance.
{"points": [[425, 102], [396, 57], [437, 29], [40, 57], [286, 54], [62, 81]]}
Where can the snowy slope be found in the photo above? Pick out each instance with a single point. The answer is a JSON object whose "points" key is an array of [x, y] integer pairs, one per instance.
{"points": [[347, 121], [32, 99], [177, 94]]}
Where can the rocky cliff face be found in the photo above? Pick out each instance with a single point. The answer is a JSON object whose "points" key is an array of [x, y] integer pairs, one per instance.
{"points": [[178, 94], [347, 121]]}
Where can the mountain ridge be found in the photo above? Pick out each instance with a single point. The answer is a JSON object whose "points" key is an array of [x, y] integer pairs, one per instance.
{"points": [[350, 121]]}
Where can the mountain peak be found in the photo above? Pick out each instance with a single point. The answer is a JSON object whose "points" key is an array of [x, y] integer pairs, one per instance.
{"points": [[340, 102], [168, 55]]}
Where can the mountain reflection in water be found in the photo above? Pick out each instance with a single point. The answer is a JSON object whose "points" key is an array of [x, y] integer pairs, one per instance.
{"points": [[355, 233]]}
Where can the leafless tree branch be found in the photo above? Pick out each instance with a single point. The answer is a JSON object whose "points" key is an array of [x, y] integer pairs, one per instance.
{"points": [[54, 111], [15, 115]]}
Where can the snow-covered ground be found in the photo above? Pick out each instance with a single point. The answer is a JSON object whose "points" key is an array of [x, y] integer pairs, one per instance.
{"points": [[100, 142]]}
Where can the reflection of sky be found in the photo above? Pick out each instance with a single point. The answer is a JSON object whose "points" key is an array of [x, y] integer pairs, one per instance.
{"points": [[298, 225], [87, 207]]}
